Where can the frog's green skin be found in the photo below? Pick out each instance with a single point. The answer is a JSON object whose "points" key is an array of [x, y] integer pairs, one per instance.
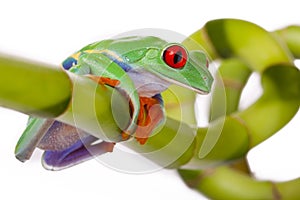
{"points": [[139, 66]]}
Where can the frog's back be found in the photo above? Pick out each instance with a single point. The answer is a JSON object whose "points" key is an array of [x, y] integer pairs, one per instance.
{"points": [[123, 45], [116, 48]]}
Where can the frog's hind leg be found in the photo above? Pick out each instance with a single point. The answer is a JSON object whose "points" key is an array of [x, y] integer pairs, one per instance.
{"points": [[66, 146], [79, 152]]}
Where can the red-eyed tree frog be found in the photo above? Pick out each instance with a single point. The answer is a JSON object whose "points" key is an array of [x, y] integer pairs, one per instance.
{"points": [[141, 68]]}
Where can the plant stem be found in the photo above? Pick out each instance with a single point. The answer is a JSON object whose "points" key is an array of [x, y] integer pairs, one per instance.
{"points": [[33, 88]]}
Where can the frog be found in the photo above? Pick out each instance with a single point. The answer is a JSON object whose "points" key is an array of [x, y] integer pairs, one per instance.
{"points": [[139, 67]]}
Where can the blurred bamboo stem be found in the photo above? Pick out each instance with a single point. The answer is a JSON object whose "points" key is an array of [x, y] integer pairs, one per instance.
{"points": [[33, 88]]}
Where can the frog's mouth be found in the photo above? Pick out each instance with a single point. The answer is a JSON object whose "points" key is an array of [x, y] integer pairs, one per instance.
{"points": [[200, 90], [200, 83], [187, 86]]}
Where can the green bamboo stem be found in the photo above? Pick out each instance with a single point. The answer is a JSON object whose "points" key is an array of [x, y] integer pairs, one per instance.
{"points": [[235, 38], [214, 148], [90, 109], [179, 104], [281, 84], [33, 88], [234, 75], [171, 147], [290, 36], [49, 92], [227, 183], [281, 93], [253, 188], [219, 134]]}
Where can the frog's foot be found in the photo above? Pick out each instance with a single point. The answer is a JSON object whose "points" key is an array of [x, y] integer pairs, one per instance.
{"points": [[104, 80], [150, 116]]}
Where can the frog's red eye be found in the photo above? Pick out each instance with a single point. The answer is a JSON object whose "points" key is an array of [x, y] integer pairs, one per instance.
{"points": [[175, 56]]}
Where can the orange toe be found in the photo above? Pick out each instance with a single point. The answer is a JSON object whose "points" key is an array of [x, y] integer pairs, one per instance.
{"points": [[104, 80], [150, 116]]}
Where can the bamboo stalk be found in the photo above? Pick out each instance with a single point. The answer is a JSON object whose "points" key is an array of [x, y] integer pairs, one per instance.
{"points": [[290, 36], [33, 88], [281, 85]]}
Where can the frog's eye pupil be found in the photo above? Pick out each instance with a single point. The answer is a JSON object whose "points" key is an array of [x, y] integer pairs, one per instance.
{"points": [[175, 56]]}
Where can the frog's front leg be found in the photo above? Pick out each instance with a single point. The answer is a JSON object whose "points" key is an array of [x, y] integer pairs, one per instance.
{"points": [[104, 80], [151, 112], [105, 71], [150, 117]]}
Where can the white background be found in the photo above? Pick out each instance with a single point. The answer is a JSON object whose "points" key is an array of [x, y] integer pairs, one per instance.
{"points": [[51, 30]]}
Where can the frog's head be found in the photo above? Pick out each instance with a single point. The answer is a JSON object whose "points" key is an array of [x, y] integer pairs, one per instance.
{"points": [[173, 63]]}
